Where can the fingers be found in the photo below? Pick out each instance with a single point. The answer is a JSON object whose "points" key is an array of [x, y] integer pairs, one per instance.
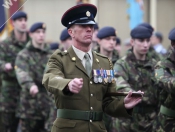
{"points": [[76, 85]]}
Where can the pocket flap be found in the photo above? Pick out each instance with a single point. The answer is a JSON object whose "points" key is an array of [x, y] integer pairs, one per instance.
{"points": [[64, 123]]}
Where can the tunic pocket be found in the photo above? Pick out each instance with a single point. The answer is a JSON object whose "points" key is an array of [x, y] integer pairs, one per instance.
{"points": [[64, 123]]}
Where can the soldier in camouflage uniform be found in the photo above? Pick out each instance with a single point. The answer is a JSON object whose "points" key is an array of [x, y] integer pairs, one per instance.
{"points": [[9, 49], [133, 72], [107, 41], [152, 51], [66, 40], [29, 66], [165, 75]]}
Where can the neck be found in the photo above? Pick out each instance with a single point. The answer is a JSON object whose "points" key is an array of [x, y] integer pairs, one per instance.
{"points": [[38, 46], [106, 53], [82, 47], [20, 36], [139, 56]]}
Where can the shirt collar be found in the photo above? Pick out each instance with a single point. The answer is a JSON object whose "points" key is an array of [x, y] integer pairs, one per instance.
{"points": [[81, 54]]}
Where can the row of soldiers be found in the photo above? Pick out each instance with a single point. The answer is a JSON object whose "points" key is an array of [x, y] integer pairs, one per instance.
{"points": [[23, 61]]}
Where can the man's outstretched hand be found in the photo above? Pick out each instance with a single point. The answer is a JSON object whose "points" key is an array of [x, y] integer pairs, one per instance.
{"points": [[130, 101]]}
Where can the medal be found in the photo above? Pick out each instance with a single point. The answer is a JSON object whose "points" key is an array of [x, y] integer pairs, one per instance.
{"points": [[109, 76], [95, 76], [112, 76], [105, 76], [99, 76]]}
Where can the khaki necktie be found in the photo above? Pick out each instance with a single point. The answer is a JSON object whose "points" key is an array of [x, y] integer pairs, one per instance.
{"points": [[88, 64]]}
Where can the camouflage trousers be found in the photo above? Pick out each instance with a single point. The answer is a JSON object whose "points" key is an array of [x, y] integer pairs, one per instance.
{"points": [[9, 122], [108, 122], [164, 124], [31, 125], [139, 123], [51, 119]]}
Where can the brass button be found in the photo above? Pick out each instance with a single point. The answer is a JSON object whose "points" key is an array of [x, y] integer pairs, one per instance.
{"points": [[90, 120], [91, 108], [90, 82], [92, 95]]}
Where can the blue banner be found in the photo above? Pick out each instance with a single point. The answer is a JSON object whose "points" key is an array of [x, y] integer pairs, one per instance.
{"points": [[2, 17], [135, 12]]}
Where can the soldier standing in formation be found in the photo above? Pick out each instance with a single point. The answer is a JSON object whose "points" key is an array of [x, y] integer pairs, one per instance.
{"points": [[107, 40], [136, 71], [165, 75], [79, 100], [9, 49], [29, 66], [65, 39]]}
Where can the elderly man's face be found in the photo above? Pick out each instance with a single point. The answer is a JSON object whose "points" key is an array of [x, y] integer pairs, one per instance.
{"points": [[82, 33]]}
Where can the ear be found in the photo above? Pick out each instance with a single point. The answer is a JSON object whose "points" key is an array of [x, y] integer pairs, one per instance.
{"points": [[132, 42], [13, 23], [98, 40], [70, 31]]}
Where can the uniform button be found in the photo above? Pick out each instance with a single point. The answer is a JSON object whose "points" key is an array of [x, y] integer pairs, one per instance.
{"points": [[90, 120], [91, 108], [90, 82], [92, 95]]}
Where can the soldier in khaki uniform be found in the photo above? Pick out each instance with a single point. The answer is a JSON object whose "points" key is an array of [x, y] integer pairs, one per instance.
{"points": [[80, 100]]}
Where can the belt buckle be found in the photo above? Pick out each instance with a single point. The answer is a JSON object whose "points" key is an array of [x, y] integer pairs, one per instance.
{"points": [[91, 116]]}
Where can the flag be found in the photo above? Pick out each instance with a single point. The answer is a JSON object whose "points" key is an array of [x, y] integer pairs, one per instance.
{"points": [[3, 33], [135, 12]]}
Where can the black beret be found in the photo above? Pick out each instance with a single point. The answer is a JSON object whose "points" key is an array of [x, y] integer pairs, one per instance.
{"points": [[18, 15], [106, 32], [79, 14], [172, 35], [147, 25], [96, 27], [54, 46], [141, 32], [38, 25], [64, 35], [158, 35]]}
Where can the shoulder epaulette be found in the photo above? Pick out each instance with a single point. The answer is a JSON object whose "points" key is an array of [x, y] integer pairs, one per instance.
{"points": [[100, 55], [61, 52]]}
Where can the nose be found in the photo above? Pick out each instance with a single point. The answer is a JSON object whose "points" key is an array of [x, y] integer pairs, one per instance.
{"points": [[146, 44]]}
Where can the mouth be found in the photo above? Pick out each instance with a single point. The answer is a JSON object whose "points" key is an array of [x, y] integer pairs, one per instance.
{"points": [[88, 36]]}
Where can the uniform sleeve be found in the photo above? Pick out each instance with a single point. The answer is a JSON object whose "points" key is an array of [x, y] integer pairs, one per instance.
{"points": [[165, 79], [54, 78], [23, 72], [121, 78], [2, 56]]}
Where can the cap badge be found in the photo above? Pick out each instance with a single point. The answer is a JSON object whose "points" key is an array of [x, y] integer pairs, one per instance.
{"points": [[88, 13], [44, 26]]}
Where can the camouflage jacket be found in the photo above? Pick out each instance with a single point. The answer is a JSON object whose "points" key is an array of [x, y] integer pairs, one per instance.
{"points": [[154, 54], [30, 65], [132, 74], [115, 54], [165, 74], [9, 49]]}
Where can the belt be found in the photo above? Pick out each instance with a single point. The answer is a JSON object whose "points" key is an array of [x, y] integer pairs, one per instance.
{"points": [[166, 111], [80, 115]]}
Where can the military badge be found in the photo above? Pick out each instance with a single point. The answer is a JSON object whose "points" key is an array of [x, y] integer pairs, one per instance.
{"points": [[88, 14]]}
